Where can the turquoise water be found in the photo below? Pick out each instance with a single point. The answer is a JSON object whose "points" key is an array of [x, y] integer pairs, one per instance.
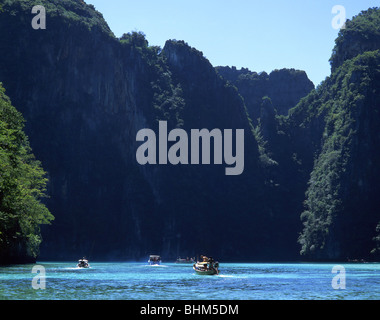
{"points": [[241, 281]]}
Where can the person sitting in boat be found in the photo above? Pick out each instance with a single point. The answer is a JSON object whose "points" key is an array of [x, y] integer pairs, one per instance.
{"points": [[83, 263], [204, 258]]}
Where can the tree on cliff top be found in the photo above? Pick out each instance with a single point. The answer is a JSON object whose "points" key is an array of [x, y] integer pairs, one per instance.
{"points": [[361, 34]]}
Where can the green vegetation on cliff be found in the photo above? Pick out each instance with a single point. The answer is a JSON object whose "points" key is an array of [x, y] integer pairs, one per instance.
{"points": [[165, 97], [74, 12], [341, 203], [328, 145], [361, 34], [309, 153], [284, 87], [342, 119], [22, 185]]}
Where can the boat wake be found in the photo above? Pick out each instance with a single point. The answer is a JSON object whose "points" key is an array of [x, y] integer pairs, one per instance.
{"points": [[230, 276], [156, 266]]}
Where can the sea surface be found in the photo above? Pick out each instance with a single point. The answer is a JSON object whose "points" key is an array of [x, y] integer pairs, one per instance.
{"points": [[170, 281]]}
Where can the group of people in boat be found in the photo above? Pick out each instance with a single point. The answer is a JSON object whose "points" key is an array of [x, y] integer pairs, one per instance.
{"points": [[183, 260], [154, 259], [210, 260], [83, 263], [207, 266]]}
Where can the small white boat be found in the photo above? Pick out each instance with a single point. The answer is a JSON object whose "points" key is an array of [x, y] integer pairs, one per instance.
{"points": [[83, 263], [154, 259]]}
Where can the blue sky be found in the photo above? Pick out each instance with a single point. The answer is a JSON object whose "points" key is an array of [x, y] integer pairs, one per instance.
{"points": [[259, 35]]}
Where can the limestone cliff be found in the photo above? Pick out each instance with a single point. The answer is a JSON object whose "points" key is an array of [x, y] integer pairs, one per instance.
{"points": [[284, 87], [85, 94]]}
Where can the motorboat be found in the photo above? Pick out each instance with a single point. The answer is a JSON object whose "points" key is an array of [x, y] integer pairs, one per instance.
{"points": [[206, 267], [83, 263], [187, 260], [154, 260]]}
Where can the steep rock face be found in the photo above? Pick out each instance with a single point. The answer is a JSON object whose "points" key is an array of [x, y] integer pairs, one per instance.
{"points": [[287, 158], [360, 34], [341, 206], [264, 194], [328, 145], [203, 90], [287, 87], [284, 87], [85, 95], [227, 207], [83, 102], [339, 124]]}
